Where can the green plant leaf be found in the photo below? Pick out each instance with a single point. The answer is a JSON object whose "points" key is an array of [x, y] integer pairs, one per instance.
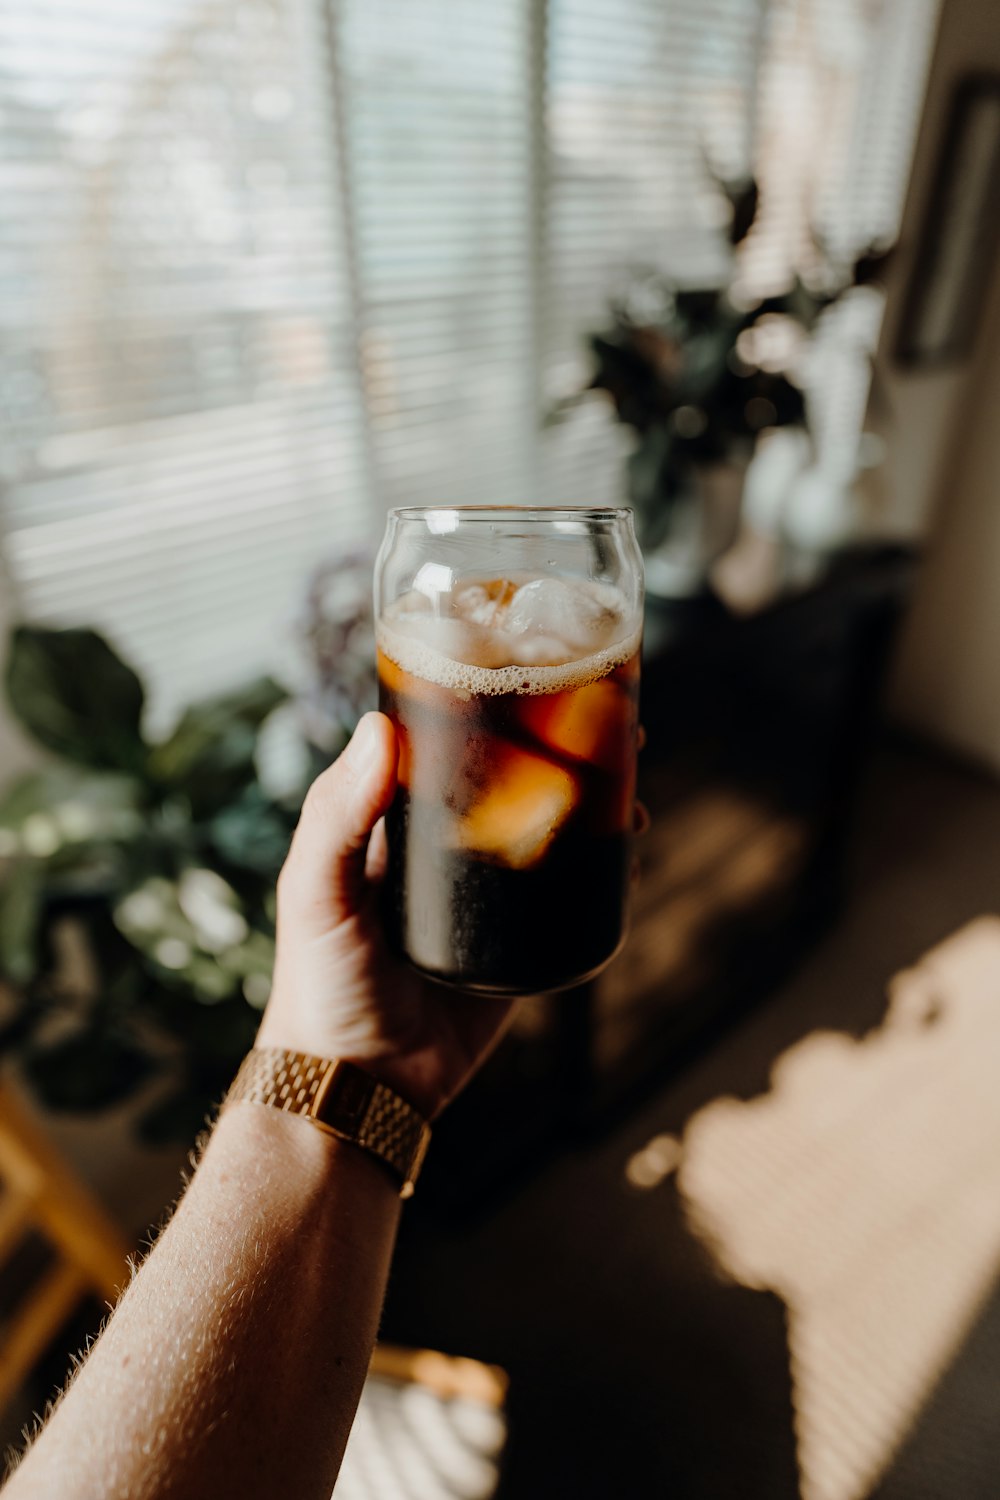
{"points": [[77, 697], [91, 1069], [79, 805], [210, 755], [22, 901], [254, 833], [37, 791]]}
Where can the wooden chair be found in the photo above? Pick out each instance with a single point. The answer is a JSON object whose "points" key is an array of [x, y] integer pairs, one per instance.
{"points": [[41, 1195]]}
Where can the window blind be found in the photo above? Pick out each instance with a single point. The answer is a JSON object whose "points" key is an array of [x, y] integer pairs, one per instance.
{"points": [[819, 99], [268, 266], [183, 429], [639, 96], [436, 100]]}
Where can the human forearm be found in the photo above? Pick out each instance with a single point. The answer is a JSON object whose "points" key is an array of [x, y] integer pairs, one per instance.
{"points": [[234, 1363]]}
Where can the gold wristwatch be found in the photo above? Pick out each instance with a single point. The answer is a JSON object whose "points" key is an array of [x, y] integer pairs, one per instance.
{"points": [[341, 1099]]}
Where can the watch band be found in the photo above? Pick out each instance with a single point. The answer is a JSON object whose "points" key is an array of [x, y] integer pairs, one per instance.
{"points": [[341, 1099]]}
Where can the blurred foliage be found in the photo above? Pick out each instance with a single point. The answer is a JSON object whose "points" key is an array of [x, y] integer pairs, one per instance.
{"points": [[337, 631], [679, 366], [137, 877], [136, 885]]}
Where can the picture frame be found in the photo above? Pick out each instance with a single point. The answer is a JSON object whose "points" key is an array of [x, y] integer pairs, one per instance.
{"points": [[960, 236]]}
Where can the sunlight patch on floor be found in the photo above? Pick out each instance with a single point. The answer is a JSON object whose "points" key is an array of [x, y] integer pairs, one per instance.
{"points": [[864, 1189]]}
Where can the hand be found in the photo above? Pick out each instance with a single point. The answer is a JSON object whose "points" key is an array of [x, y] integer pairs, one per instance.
{"points": [[337, 991]]}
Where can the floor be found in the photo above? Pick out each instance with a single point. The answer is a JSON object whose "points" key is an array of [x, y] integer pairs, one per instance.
{"points": [[659, 1336], [636, 1311]]}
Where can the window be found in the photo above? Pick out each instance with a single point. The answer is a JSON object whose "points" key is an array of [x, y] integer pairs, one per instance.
{"points": [[268, 266]]}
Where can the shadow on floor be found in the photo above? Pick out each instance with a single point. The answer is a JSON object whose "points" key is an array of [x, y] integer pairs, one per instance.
{"points": [[655, 1360], [619, 1340], [634, 1368]]}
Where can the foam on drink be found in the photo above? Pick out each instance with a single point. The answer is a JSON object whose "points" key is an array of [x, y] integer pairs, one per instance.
{"points": [[498, 636]]}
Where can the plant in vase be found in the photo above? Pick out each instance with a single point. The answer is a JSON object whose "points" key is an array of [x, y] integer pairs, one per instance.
{"points": [[702, 377]]}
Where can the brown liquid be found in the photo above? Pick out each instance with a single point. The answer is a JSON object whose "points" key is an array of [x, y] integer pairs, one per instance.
{"points": [[509, 837]]}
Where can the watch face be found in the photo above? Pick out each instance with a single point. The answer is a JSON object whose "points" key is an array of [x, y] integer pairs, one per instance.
{"points": [[345, 1098]]}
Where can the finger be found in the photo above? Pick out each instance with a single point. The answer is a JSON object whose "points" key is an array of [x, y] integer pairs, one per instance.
{"points": [[640, 819], [324, 876], [641, 737], [378, 853]]}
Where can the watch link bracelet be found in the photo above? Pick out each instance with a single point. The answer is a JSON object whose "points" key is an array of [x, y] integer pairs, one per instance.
{"points": [[341, 1099]]}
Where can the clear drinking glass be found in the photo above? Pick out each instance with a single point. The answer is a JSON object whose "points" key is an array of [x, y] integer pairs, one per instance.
{"points": [[508, 660]]}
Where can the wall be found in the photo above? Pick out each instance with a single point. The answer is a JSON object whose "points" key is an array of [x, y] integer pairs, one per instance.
{"points": [[947, 680], [942, 474], [916, 410]]}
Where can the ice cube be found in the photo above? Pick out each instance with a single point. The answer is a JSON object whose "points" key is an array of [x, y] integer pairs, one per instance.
{"points": [[411, 603], [580, 615], [483, 603], [537, 651], [525, 803], [594, 723], [472, 602], [459, 640]]}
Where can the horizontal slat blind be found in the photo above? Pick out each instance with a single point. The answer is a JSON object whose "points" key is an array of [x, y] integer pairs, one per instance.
{"points": [[819, 98], [183, 433], [269, 266], [639, 93], [839, 96], [437, 111]]}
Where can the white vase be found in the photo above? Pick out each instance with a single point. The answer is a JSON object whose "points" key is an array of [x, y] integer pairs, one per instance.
{"points": [[703, 523]]}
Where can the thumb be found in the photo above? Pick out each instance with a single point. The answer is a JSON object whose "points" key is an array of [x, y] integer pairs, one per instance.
{"points": [[323, 881]]}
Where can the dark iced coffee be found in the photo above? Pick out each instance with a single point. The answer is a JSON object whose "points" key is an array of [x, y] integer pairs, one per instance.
{"points": [[515, 704]]}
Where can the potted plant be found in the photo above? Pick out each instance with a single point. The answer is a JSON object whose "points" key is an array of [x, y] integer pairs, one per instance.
{"points": [[701, 377], [137, 875]]}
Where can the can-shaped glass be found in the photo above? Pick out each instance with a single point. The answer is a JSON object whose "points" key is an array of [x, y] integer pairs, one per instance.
{"points": [[508, 661]]}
